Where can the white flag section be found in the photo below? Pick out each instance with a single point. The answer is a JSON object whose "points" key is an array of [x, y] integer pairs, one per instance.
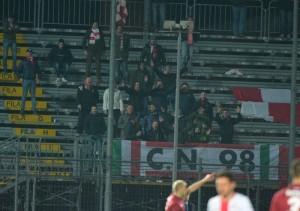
{"points": [[154, 159], [257, 110], [276, 95]]}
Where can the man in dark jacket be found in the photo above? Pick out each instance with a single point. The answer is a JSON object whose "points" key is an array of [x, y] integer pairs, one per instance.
{"points": [[149, 118], [133, 129], [87, 96], [95, 127], [158, 95], [186, 99], [122, 51], [10, 28], [155, 133], [61, 59], [136, 98], [226, 123], [286, 17], [239, 15], [203, 102], [93, 46], [27, 72]]}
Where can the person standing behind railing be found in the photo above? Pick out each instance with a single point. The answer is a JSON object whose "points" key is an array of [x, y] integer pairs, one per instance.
{"points": [[286, 17], [161, 6], [10, 28], [239, 16]]}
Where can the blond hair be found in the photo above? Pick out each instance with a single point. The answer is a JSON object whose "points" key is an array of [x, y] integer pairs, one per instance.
{"points": [[177, 185]]}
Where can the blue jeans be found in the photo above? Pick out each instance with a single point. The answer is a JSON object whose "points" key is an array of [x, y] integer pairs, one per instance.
{"points": [[122, 71], [92, 139], [162, 10], [286, 20], [239, 17], [13, 47], [28, 84], [186, 52], [61, 69]]}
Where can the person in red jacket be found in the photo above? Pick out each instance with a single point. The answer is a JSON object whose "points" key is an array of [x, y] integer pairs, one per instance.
{"points": [[180, 193], [287, 199]]}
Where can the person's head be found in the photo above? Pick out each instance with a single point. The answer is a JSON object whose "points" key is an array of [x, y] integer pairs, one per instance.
{"points": [[295, 169], [201, 110], [117, 82], [190, 18], [88, 80], [61, 43], [129, 109], [152, 40], [119, 29], [152, 107], [136, 86], [11, 18], [197, 130], [155, 125], [202, 96], [95, 25], [185, 87], [142, 66], [168, 69], [226, 113], [225, 184], [28, 54], [94, 110], [159, 84], [179, 188]]}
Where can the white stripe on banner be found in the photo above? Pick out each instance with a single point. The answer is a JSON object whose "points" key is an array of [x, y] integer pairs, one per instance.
{"points": [[276, 95], [273, 162], [254, 109], [126, 157]]}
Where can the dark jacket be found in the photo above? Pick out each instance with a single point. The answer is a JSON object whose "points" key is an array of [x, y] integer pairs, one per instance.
{"points": [[227, 126], [148, 120], [186, 102], [159, 97], [160, 59], [28, 70], [131, 130], [152, 135], [94, 124], [126, 45], [139, 75], [99, 45], [87, 98], [9, 33], [208, 108], [238, 3], [60, 56], [123, 121], [136, 98], [285, 5]]}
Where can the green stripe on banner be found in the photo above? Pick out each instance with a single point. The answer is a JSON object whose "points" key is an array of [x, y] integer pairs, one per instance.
{"points": [[264, 162], [117, 157]]}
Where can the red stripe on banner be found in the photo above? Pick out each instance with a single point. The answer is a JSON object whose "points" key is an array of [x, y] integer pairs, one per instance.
{"points": [[281, 112], [247, 94], [226, 146], [283, 163], [135, 158]]}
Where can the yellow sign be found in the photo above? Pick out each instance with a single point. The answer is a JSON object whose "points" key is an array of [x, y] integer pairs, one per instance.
{"points": [[50, 147], [29, 118], [19, 37], [21, 51], [17, 91], [8, 77], [9, 63], [34, 132], [16, 104], [51, 173]]}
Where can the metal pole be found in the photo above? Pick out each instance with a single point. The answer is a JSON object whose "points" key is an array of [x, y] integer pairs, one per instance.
{"points": [[17, 178], [293, 87], [146, 17], [33, 194], [175, 148], [108, 192], [200, 189]]}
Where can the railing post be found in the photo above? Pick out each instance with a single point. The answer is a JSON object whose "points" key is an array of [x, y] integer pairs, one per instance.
{"points": [[146, 17], [16, 197], [75, 158], [200, 189]]}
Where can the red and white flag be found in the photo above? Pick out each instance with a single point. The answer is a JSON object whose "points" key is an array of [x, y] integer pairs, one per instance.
{"points": [[269, 104], [122, 12]]}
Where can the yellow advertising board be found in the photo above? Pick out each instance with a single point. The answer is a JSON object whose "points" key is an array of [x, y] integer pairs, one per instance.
{"points": [[9, 64], [17, 91], [34, 132], [21, 51], [30, 118], [8, 77], [19, 37], [16, 104]]}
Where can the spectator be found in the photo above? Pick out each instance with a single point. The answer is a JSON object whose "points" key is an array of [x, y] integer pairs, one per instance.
{"points": [[124, 119], [185, 126], [226, 123], [169, 80], [154, 54], [166, 122], [122, 50], [146, 86], [61, 59], [159, 95], [95, 127], [136, 97], [118, 105], [239, 15], [94, 46], [10, 28], [161, 6], [186, 99], [133, 129], [201, 135], [155, 133], [286, 17], [87, 96], [187, 46], [140, 73], [149, 118], [27, 72], [203, 101]]}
